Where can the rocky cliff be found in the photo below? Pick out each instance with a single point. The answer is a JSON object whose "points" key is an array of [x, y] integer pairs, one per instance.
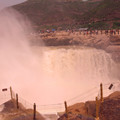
{"points": [[108, 42]]}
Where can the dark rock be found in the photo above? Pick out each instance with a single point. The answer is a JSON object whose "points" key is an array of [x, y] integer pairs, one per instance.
{"points": [[109, 109], [10, 112], [91, 108]]}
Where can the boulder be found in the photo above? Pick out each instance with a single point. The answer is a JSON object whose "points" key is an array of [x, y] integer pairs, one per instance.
{"points": [[113, 48], [10, 112], [91, 108], [109, 109]]}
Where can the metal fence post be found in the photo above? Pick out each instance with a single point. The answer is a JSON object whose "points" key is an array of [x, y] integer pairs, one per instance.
{"points": [[66, 110], [97, 109], [11, 93], [17, 104], [101, 92], [34, 111]]}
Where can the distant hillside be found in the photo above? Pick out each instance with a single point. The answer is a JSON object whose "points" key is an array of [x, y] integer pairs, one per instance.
{"points": [[49, 14], [60, 13], [106, 14]]}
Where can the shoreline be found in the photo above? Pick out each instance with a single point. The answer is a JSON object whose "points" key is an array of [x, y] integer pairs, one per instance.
{"points": [[108, 42]]}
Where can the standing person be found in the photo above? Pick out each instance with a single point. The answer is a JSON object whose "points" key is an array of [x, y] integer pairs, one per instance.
{"points": [[96, 31], [118, 31], [90, 32], [87, 32], [114, 32], [111, 31]]}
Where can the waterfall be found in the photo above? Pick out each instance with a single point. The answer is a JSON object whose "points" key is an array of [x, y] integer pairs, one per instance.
{"points": [[71, 70], [79, 63]]}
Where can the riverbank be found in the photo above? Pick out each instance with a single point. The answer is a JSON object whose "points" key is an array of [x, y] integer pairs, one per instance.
{"points": [[108, 42]]}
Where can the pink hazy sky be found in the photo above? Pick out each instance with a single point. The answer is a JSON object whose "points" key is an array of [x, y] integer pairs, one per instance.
{"points": [[6, 3]]}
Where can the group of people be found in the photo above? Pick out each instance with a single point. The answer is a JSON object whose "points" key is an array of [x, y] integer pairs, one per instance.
{"points": [[83, 32], [90, 32]]}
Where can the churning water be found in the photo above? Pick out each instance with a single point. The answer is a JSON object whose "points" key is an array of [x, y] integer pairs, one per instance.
{"points": [[71, 70], [48, 75]]}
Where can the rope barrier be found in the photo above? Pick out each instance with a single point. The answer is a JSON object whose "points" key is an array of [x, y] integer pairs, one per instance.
{"points": [[82, 94], [59, 107]]}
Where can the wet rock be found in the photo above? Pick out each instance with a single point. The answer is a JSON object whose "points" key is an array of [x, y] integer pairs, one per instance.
{"points": [[109, 109], [10, 112], [113, 48], [91, 108]]}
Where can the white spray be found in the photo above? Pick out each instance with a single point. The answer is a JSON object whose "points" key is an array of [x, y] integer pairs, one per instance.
{"points": [[49, 74]]}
